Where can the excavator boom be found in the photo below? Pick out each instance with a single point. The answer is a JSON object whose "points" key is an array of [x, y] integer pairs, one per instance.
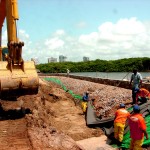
{"points": [[2, 12], [17, 77]]}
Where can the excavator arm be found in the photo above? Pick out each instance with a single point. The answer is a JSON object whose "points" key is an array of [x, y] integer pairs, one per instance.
{"points": [[17, 77], [9, 10], [2, 12]]}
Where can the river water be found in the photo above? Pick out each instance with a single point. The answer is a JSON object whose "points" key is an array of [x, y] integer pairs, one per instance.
{"points": [[110, 75]]}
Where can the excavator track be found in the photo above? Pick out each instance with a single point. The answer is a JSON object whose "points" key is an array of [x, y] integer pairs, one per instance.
{"points": [[13, 135]]}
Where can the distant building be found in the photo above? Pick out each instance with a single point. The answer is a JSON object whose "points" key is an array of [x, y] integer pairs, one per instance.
{"points": [[36, 61], [52, 59], [86, 59], [62, 58]]}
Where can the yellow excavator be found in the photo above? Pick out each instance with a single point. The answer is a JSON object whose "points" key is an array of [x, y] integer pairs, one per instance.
{"points": [[17, 77]]}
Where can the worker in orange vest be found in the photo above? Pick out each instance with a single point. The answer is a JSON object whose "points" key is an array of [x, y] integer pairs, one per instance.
{"points": [[121, 116], [142, 95], [137, 129]]}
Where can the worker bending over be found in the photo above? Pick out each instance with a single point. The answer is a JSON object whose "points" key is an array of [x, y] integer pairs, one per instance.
{"points": [[137, 129], [142, 95], [121, 116], [85, 99]]}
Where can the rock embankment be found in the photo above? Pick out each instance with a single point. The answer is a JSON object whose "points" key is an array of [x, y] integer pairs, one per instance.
{"points": [[107, 98]]}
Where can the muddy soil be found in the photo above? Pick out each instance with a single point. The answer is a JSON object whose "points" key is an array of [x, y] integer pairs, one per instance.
{"points": [[55, 122]]}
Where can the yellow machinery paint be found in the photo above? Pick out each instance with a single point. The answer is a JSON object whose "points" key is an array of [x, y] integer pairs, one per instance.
{"points": [[17, 77]]}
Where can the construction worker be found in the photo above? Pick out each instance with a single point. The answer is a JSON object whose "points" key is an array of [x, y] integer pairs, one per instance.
{"points": [[136, 78], [121, 116], [142, 95], [85, 99], [68, 71], [137, 129]]}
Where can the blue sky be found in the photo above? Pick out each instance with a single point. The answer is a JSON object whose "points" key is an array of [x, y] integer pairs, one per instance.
{"points": [[98, 29]]}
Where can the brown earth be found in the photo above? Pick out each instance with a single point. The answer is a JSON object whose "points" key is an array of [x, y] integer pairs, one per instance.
{"points": [[54, 124]]}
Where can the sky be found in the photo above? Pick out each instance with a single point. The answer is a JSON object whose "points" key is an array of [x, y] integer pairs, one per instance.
{"points": [[98, 29]]}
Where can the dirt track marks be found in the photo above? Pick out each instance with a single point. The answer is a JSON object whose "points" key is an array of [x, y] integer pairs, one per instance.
{"points": [[13, 135]]}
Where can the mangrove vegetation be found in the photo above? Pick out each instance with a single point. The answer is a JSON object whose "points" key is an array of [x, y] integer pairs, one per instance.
{"points": [[120, 65]]}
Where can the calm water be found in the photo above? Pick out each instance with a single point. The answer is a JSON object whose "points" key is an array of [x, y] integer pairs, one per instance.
{"points": [[111, 75]]}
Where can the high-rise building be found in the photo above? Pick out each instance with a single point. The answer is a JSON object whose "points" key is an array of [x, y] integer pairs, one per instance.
{"points": [[62, 58], [52, 59], [86, 59]]}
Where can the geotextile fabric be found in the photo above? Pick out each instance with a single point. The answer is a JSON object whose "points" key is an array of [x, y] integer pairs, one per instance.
{"points": [[57, 81]]}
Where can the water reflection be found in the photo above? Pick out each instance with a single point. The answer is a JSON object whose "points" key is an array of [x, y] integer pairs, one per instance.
{"points": [[110, 75]]}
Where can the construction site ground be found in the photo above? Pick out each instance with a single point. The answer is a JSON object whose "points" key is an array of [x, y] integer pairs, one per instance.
{"points": [[56, 122], [49, 120]]}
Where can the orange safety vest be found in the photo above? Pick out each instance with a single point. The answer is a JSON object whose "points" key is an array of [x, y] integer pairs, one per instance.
{"points": [[143, 93], [137, 125], [121, 116]]}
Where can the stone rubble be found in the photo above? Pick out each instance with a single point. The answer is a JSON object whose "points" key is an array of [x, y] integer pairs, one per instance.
{"points": [[106, 98]]}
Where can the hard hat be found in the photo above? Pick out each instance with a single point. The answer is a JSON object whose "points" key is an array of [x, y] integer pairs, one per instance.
{"points": [[122, 105], [136, 108]]}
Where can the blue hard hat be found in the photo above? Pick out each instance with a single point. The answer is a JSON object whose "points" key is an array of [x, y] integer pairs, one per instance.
{"points": [[122, 105], [136, 108]]}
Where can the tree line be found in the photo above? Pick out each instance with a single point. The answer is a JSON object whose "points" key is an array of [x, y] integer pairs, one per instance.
{"points": [[120, 65]]}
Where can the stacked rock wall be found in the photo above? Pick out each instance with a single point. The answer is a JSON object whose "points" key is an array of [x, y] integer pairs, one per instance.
{"points": [[118, 83]]}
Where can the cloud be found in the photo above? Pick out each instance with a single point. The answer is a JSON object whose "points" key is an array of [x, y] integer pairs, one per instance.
{"points": [[128, 37], [123, 27], [59, 32], [81, 24], [54, 43], [125, 38]]}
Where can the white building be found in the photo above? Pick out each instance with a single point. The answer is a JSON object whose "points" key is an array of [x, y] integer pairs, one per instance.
{"points": [[52, 59]]}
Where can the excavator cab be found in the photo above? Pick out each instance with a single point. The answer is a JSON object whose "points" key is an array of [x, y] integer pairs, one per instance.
{"points": [[4, 53], [17, 77]]}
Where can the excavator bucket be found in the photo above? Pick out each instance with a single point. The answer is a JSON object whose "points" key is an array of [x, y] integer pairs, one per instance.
{"points": [[18, 82]]}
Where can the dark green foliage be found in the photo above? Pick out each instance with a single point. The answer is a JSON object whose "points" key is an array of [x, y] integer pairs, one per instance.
{"points": [[120, 65]]}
